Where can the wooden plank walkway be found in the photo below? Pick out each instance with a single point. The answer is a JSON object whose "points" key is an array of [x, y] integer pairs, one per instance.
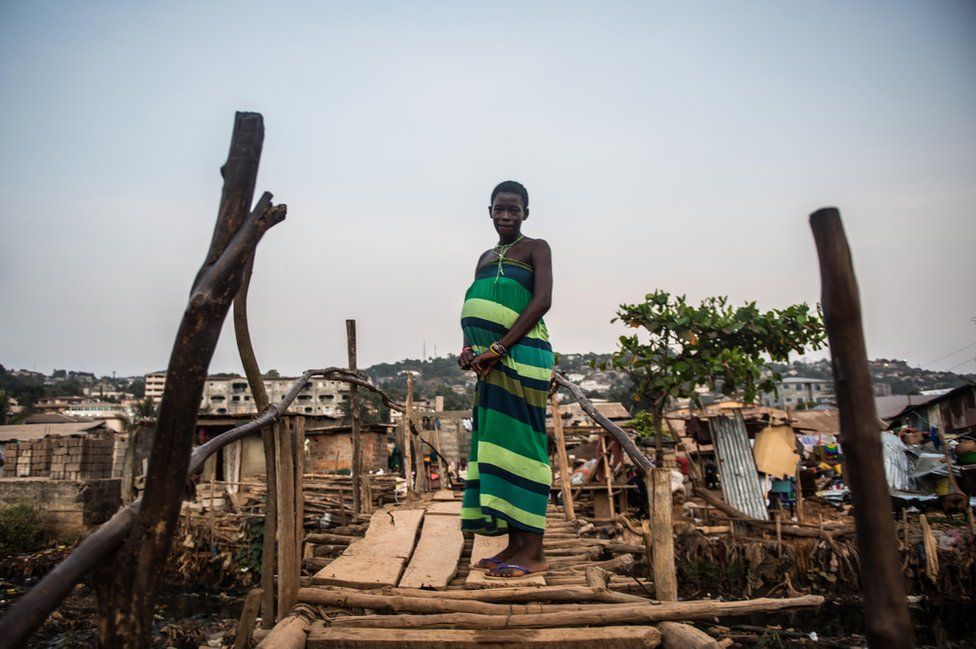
{"points": [[435, 559], [448, 508]]}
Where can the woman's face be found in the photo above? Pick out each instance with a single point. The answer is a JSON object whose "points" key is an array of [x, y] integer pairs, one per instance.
{"points": [[507, 213]]}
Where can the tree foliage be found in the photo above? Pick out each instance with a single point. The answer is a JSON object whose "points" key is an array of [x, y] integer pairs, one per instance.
{"points": [[681, 346]]}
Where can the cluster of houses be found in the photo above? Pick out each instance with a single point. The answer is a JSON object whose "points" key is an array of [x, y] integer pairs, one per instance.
{"points": [[93, 452]]}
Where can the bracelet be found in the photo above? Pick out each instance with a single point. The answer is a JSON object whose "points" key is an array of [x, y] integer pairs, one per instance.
{"points": [[467, 348], [498, 349]]}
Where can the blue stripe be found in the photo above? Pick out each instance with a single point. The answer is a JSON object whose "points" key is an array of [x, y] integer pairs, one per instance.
{"points": [[494, 327], [521, 275], [512, 478], [501, 400], [533, 384]]}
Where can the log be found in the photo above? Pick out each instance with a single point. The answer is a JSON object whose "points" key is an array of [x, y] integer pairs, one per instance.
{"points": [[326, 537], [675, 635], [397, 604], [611, 637], [524, 594], [290, 633], [887, 623], [249, 615], [255, 381], [564, 470], [127, 587], [630, 448], [598, 616]]}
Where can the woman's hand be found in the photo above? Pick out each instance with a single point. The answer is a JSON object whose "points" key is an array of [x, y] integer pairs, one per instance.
{"points": [[483, 363], [465, 358]]}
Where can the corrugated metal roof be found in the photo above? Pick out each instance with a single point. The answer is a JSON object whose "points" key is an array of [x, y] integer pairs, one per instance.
{"points": [[30, 432], [737, 467]]}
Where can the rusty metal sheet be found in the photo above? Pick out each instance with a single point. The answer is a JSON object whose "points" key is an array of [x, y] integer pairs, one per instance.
{"points": [[737, 467]]}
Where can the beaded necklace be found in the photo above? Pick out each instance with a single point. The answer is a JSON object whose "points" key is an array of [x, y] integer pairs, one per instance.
{"points": [[501, 252]]}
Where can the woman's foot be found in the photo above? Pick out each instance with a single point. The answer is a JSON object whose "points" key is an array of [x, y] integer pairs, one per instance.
{"points": [[490, 563], [519, 565]]}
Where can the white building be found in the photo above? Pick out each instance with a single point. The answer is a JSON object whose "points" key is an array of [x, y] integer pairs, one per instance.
{"points": [[797, 391], [155, 383], [232, 396]]}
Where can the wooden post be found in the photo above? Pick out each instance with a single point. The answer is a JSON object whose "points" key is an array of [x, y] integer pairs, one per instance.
{"points": [[662, 548], [299, 454], [557, 429], [357, 468], [885, 607], [799, 496], [439, 456], [419, 453], [245, 626], [609, 471], [408, 438], [288, 558]]}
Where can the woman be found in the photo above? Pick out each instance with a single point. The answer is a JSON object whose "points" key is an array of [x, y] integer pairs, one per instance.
{"points": [[507, 346]]}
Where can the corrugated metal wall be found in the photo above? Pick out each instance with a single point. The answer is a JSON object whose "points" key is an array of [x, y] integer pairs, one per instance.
{"points": [[737, 466]]}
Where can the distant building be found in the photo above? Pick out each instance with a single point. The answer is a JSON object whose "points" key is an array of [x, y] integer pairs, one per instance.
{"points": [[58, 404], [232, 396], [798, 391], [155, 383]]}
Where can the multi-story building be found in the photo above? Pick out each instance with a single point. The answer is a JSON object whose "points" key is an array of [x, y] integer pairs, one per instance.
{"points": [[155, 383], [798, 391], [95, 409], [232, 396]]}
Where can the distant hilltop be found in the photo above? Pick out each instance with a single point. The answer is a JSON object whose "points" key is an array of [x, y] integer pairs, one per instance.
{"points": [[441, 376]]}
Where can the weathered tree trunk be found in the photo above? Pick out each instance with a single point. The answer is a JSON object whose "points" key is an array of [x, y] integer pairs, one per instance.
{"points": [[252, 371], [127, 588], [885, 607]]}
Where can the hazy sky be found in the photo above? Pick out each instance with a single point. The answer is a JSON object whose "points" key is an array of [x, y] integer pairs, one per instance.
{"points": [[678, 146]]}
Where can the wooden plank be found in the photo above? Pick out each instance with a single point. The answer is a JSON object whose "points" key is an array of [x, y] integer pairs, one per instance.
{"points": [[448, 508], [391, 533], [610, 637], [478, 579], [435, 560], [361, 572], [443, 494], [379, 557]]}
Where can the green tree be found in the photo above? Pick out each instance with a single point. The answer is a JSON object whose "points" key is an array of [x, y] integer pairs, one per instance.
{"points": [[681, 346]]}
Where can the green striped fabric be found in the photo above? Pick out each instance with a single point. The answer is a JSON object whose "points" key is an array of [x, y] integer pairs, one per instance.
{"points": [[508, 471]]}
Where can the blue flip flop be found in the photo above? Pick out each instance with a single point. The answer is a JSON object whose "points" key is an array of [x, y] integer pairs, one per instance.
{"points": [[494, 560], [514, 566]]}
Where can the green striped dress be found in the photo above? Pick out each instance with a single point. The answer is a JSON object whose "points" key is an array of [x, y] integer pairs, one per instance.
{"points": [[508, 471]]}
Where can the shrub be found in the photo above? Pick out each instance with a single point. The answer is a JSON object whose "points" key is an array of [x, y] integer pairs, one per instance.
{"points": [[21, 529]]}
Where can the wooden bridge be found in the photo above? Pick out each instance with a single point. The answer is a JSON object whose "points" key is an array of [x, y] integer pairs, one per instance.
{"points": [[409, 581]]}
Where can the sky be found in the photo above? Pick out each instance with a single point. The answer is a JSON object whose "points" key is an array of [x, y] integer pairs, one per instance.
{"points": [[665, 145]]}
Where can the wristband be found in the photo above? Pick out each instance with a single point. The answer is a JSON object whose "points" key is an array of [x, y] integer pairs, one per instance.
{"points": [[498, 349]]}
